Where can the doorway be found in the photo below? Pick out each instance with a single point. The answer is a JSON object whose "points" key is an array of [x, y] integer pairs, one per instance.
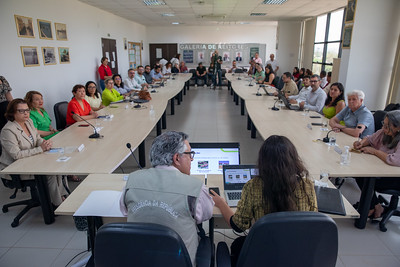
{"points": [[109, 47], [159, 51]]}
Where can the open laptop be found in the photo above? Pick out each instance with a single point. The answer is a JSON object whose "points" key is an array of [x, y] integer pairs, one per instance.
{"points": [[235, 176], [264, 87], [329, 200], [286, 102]]}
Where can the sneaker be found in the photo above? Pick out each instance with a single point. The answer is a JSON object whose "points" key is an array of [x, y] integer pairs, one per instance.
{"points": [[205, 85], [211, 87], [195, 85]]}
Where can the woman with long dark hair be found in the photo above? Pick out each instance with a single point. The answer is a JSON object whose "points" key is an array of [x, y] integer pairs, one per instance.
{"points": [[282, 185], [334, 103]]}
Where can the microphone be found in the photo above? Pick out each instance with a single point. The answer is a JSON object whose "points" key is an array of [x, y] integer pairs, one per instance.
{"points": [[275, 108], [326, 138], [96, 134], [258, 91], [128, 145]]}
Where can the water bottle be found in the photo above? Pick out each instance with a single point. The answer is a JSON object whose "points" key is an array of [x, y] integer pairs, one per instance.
{"points": [[345, 156], [152, 113]]}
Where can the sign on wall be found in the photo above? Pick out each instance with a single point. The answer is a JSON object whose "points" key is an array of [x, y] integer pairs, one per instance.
{"points": [[193, 54]]}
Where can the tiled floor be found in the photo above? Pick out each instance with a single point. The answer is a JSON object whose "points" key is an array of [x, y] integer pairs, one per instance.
{"points": [[206, 115]]}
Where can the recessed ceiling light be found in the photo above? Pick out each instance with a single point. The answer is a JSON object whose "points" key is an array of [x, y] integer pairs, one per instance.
{"points": [[175, 23], [258, 14], [243, 23], [168, 15], [154, 2], [273, 2]]}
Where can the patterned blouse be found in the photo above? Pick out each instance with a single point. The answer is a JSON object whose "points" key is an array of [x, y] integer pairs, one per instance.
{"points": [[4, 89]]}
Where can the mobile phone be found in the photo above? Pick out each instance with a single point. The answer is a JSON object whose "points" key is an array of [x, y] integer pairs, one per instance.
{"points": [[315, 117], [316, 124], [83, 125], [215, 189]]}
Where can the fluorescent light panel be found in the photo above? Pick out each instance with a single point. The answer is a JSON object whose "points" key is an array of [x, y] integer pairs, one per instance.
{"points": [[153, 2], [168, 15], [258, 14], [273, 2]]}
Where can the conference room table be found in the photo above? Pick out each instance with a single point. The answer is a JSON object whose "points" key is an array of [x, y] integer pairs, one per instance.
{"points": [[116, 182], [317, 155], [127, 125]]}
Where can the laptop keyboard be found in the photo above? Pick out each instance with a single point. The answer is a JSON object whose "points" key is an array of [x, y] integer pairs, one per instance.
{"points": [[234, 195]]}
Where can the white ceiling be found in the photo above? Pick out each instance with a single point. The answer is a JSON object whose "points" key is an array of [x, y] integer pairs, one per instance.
{"points": [[192, 12]]}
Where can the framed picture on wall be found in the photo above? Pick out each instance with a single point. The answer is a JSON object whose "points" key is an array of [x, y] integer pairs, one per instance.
{"points": [[61, 31], [350, 11], [24, 26], [347, 31], [49, 55], [45, 29], [64, 55], [29, 56]]}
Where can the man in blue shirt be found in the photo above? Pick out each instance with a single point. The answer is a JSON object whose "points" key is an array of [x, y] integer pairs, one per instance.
{"points": [[157, 75], [358, 120]]}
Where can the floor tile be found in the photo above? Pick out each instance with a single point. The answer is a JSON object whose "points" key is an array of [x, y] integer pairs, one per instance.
{"points": [[3, 251], [32, 257], [339, 262], [78, 241], [67, 255], [370, 261]]}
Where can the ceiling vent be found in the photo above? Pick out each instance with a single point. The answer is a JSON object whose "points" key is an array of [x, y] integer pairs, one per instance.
{"points": [[273, 2], [154, 2]]}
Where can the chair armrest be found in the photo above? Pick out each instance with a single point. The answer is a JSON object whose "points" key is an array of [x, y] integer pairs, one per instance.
{"points": [[203, 255], [223, 256]]}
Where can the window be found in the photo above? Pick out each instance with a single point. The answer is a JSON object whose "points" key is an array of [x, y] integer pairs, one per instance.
{"points": [[328, 39]]}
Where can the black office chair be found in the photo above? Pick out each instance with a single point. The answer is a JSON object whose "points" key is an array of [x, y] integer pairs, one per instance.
{"points": [[287, 239], [391, 209], [278, 82], [18, 184], [193, 78], [144, 244], [239, 71], [60, 112]]}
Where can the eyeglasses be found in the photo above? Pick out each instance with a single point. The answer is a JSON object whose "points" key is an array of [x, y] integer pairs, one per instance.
{"points": [[22, 111], [91, 86], [191, 154], [385, 126], [314, 81], [118, 79]]}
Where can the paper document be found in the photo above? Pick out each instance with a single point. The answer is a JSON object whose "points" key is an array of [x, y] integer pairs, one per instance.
{"points": [[103, 203]]}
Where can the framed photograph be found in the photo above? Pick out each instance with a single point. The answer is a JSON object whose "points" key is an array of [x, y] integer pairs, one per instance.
{"points": [[64, 55], [29, 56], [350, 11], [49, 56], [61, 31], [24, 26], [45, 29], [347, 31]]}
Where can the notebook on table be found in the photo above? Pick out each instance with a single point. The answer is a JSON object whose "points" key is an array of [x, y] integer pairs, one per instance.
{"points": [[329, 200], [235, 177]]}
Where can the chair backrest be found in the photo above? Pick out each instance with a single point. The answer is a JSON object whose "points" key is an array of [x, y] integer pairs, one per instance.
{"points": [[139, 244], [239, 71], [60, 112], [193, 72], [276, 82], [379, 116], [291, 239]]}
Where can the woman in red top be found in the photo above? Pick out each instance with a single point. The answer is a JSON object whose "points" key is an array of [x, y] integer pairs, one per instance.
{"points": [[104, 72], [79, 106]]}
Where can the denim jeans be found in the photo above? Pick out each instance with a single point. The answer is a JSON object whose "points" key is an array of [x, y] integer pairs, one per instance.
{"points": [[204, 78], [219, 73], [212, 77]]}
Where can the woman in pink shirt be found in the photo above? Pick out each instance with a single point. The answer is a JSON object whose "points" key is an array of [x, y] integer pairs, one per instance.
{"points": [[384, 144]]}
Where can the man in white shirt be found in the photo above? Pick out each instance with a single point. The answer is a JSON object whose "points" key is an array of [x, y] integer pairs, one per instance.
{"points": [[139, 77], [130, 82], [302, 96], [324, 80], [274, 64], [315, 100]]}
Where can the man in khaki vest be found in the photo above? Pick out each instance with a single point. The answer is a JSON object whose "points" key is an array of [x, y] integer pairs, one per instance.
{"points": [[167, 194]]}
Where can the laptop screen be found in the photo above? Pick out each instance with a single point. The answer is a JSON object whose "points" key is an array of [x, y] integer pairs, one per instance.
{"points": [[235, 176], [210, 157]]}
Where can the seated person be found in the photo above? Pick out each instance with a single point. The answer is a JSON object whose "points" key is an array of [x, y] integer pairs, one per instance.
{"points": [[211, 75], [233, 69], [289, 87], [296, 74], [252, 68], [20, 139], [269, 76], [201, 73], [169, 182], [302, 73], [79, 106], [324, 80], [282, 185], [335, 101], [167, 69], [358, 120], [157, 75], [302, 96], [183, 68], [130, 82], [315, 100], [147, 75], [110, 94], [260, 74], [175, 68], [119, 86], [139, 77], [93, 96], [327, 87], [41, 120], [385, 145]]}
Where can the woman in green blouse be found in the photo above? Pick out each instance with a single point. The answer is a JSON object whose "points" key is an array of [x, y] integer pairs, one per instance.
{"points": [[335, 101], [110, 94], [41, 120]]}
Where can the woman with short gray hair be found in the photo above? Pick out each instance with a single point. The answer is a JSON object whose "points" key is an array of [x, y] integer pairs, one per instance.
{"points": [[385, 145]]}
